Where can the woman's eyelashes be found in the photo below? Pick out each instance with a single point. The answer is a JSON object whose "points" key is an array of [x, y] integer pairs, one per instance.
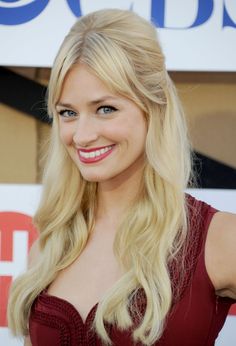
{"points": [[106, 109], [103, 110], [67, 113]]}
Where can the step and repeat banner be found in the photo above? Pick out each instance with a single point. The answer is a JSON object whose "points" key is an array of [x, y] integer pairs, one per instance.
{"points": [[17, 233], [196, 35]]}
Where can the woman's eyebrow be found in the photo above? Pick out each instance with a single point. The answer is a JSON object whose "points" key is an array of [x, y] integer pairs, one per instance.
{"points": [[89, 103], [102, 99], [66, 105]]}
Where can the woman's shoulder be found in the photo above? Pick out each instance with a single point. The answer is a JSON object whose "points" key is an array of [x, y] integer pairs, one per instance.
{"points": [[217, 229], [220, 253]]}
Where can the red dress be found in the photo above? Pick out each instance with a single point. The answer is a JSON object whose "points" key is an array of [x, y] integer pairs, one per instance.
{"points": [[196, 317]]}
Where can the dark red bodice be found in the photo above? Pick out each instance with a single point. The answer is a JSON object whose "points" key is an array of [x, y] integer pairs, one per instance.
{"points": [[195, 318]]}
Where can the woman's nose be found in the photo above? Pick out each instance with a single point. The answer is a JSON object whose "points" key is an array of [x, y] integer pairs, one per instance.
{"points": [[85, 132]]}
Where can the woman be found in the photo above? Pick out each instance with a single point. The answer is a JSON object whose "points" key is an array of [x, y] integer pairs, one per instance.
{"points": [[115, 225]]}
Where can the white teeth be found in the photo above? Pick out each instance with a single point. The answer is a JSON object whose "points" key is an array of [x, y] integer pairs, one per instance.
{"points": [[94, 153]]}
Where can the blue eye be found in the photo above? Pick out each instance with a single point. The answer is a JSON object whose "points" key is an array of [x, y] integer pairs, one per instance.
{"points": [[67, 113], [106, 109]]}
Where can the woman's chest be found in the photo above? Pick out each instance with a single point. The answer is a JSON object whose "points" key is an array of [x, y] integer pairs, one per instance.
{"points": [[88, 278]]}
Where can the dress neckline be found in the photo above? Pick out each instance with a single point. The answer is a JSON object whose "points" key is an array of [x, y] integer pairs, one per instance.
{"points": [[55, 300]]}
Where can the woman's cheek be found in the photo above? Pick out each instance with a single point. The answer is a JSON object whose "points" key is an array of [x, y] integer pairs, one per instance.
{"points": [[66, 135]]}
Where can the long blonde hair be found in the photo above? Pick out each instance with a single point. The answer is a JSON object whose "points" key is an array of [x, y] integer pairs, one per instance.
{"points": [[122, 49]]}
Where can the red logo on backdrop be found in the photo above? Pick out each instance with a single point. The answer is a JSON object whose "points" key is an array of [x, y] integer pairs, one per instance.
{"points": [[232, 311], [17, 234]]}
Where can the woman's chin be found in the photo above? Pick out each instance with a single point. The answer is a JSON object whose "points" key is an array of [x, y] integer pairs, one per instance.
{"points": [[93, 178]]}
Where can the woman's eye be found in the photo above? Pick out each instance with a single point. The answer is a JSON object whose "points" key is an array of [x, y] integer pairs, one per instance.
{"points": [[67, 113], [106, 109]]}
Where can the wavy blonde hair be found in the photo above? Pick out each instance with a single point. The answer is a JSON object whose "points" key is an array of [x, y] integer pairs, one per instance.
{"points": [[122, 49]]}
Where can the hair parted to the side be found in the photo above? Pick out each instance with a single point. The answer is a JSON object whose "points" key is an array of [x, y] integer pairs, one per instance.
{"points": [[122, 49]]}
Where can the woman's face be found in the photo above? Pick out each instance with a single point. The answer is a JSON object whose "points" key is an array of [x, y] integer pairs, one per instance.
{"points": [[103, 132]]}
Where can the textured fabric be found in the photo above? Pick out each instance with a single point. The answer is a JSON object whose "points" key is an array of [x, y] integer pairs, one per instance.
{"points": [[196, 317]]}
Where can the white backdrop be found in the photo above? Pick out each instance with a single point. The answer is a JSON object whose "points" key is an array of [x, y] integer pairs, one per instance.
{"points": [[23, 200], [197, 35]]}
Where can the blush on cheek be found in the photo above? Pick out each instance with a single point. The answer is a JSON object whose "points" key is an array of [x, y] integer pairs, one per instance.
{"points": [[66, 137]]}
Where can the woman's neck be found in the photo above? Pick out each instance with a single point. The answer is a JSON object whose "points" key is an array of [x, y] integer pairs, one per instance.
{"points": [[116, 195]]}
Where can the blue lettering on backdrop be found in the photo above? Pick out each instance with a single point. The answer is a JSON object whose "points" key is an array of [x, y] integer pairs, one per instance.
{"points": [[204, 12], [21, 14], [158, 13], [75, 7], [227, 20], [205, 8]]}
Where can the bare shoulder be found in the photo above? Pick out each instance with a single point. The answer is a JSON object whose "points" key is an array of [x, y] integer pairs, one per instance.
{"points": [[220, 253], [34, 253]]}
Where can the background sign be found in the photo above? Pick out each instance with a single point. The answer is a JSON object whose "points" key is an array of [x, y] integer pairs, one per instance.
{"points": [[196, 35], [17, 205]]}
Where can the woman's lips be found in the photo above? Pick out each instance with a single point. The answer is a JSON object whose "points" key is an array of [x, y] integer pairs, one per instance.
{"points": [[95, 154]]}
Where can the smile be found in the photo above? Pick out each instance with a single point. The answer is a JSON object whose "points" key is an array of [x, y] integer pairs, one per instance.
{"points": [[94, 155]]}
